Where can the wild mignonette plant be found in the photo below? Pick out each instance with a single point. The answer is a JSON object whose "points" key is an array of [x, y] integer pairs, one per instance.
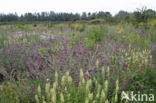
{"points": [[87, 91]]}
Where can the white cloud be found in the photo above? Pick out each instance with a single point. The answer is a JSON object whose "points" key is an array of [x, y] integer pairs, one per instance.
{"points": [[22, 6]]}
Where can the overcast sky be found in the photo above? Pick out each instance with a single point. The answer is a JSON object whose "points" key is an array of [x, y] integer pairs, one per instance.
{"points": [[113, 6]]}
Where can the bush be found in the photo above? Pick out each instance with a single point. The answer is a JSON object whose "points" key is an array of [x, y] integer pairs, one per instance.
{"points": [[97, 34], [96, 21], [34, 25]]}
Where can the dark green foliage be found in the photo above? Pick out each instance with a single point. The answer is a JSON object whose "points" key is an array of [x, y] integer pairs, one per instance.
{"points": [[1, 78], [122, 16], [141, 15], [35, 25]]}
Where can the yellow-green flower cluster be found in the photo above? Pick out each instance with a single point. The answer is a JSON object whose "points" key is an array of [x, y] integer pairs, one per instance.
{"points": [[50, 93], [136, 58], [88, 91]]}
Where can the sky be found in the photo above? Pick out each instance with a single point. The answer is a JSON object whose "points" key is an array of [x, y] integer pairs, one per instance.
{"points": [[74, 6]]}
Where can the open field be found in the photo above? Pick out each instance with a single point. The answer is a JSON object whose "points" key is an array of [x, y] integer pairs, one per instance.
{"points": [[76, 62]]}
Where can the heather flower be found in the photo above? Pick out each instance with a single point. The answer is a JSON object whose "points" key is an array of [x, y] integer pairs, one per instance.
{"points": [[33, 88]]}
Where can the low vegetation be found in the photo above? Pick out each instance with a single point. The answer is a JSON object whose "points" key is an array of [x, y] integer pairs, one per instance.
{"points": [[87, 62]]}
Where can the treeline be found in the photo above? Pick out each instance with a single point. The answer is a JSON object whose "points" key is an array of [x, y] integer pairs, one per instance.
{"points": [[52, 16], [140, 15]]}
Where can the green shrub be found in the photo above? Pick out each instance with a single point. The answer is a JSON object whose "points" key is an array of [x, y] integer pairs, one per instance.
{"points": [[94, 35], [34, 25], [96, 21], [97, 34]]}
